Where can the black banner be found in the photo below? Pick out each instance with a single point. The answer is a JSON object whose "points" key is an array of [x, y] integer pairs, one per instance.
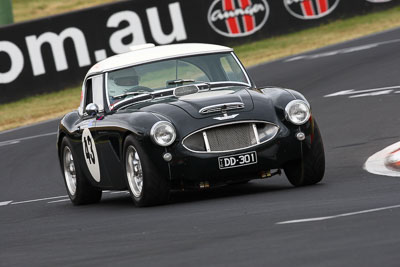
{"points": [[50, 54]]}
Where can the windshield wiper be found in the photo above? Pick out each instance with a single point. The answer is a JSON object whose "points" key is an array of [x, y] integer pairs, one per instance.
{"points": [[140, 96], [130, 93], [179, 81]]}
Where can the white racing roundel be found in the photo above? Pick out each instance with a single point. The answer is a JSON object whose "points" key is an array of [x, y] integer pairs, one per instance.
{"points": [[310, 9], [90, 154], [238, 18]]}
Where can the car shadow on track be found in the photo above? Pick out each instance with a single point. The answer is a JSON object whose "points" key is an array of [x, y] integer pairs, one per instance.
{"points": [[240, 190], [231, 191]]}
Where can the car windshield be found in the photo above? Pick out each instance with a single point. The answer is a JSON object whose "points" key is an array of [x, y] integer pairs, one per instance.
{"points": [[161, 75]]}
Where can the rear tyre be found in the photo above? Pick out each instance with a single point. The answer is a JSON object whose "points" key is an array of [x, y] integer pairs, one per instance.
{"points": [[79, 190], [146, 186], [311, 168]]}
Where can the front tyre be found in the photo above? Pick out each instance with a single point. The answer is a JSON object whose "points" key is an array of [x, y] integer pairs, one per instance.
{"points": [[311, 168], [146, 186], [79, 190]]}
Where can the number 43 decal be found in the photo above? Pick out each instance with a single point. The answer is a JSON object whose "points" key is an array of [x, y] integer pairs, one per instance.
{"points": [[90, 154], [88, 149]]}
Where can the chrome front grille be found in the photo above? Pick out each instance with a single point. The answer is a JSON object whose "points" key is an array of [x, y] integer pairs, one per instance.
{"points": [[230, 137]]}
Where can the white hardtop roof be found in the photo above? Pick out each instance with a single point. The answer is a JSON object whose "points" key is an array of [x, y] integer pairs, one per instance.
{"points": [[149, 54]]}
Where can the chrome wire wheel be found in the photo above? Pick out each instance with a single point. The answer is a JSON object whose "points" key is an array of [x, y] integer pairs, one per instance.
{"points": [[134, 171], [69, 171]]}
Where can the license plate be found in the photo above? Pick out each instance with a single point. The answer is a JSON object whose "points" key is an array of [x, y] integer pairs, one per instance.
{"points": [[237, 160]]}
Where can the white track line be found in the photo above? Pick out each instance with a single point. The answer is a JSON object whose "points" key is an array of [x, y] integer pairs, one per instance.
{"points": [[36, 200], [7, 143], [30, 126], [64, 198], [354, 91], [5, 203], [60, 200], [341, 51], [15, 141], [339, 215], [385, 92]]}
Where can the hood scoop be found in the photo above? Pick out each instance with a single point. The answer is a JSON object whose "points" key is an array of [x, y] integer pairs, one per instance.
{"points": [[223, 107], [210, 103]]}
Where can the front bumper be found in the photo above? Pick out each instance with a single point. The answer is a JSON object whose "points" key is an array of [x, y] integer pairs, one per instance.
{"points": [[190, 169]]}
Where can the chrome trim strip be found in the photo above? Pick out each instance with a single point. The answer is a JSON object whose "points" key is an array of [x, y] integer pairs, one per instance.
{"points": [[229, 123], [106, 88], [206, 142], [256, 133], [219, 107]]}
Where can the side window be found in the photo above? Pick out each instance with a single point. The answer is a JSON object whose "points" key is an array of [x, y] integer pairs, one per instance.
{"points": [[97, 91], [94, 92], [88, 93]]}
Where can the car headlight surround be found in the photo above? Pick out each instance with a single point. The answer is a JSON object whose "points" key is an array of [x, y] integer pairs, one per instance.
{"points": [[297, 112], [266, 131], [163, 133]]}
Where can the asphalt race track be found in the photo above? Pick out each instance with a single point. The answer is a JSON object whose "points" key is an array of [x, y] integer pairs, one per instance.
{"points": [[257, 224]]}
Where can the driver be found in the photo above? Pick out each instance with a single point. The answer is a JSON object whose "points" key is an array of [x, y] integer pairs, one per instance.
{"points": [[122, 81]]}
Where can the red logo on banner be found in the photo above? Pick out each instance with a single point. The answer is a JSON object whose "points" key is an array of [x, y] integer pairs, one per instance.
{"points": [[238, 18], [310, 9]]}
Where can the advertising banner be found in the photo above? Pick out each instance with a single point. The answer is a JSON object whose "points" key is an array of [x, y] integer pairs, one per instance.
{"points": [[53, 53]]}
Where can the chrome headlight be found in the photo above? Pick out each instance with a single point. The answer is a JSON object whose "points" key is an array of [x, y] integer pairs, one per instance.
{"points": [[297, 112], [163, 133]]}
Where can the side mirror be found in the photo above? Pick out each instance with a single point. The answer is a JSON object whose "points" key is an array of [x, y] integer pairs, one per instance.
{"points": [[92, 109]]}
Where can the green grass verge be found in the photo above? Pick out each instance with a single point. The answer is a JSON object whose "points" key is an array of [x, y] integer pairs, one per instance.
{"points": [[38, 108], [32, 9], [43, 107]]}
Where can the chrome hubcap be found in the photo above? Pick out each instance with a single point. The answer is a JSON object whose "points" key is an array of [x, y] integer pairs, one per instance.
{"points": [[134, 171], [69, 171]]}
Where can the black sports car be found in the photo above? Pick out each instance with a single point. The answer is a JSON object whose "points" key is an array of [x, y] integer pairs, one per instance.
{"points": [[183, 116]]}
